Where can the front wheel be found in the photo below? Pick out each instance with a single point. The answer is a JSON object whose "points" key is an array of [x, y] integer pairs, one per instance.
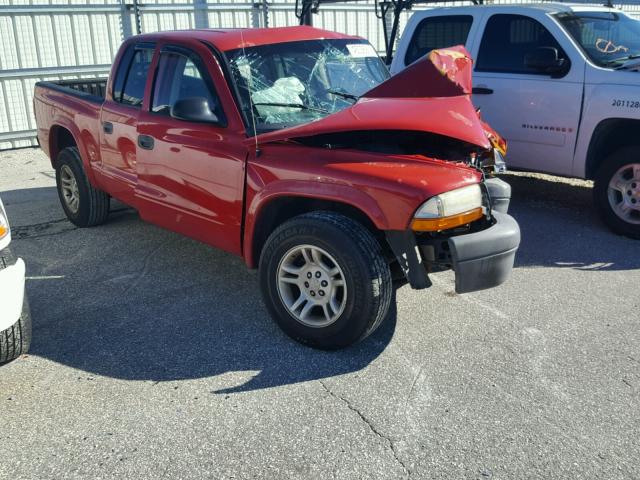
{"points": [[325, 280], [617, 191], [15, 340]]}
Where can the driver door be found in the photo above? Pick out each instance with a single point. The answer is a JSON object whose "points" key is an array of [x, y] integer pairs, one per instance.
{"points": [[536, 112], [190, 173]]}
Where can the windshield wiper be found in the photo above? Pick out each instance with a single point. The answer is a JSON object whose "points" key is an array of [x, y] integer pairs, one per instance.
{"points": [[626, 58], [627, 62], [301, 106], [338, 93]]}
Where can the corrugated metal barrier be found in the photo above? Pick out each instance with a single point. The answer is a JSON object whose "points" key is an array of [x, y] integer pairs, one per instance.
{"points": [[63, 39]]}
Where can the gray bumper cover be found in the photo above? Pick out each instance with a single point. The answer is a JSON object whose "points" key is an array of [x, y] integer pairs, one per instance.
{"points": [[500, 193], [485, 259], [480, 260]]}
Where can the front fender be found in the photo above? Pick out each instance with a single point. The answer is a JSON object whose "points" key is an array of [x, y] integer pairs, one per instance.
{"points": [[258, 198], [603, 103]]}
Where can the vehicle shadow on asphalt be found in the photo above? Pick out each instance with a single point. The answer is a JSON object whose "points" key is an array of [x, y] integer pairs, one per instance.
{"points": [[561, 229], [132, 301]]}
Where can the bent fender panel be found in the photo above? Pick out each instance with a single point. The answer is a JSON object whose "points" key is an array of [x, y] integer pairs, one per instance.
{"points": [[259, 196]]}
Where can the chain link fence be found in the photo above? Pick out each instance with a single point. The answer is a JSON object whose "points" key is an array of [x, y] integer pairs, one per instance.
{"points": [[65, 39]]}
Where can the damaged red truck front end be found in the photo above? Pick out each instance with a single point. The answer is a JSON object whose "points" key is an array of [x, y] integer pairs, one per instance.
{"points": [[412, 137]]}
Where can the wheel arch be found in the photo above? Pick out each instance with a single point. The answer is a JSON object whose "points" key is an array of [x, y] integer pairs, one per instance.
{"points": [[60, 138], [274, 211], [612, 131], [64, 134]]}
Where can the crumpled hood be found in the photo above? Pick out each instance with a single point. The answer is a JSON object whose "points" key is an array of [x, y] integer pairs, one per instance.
{"points": [[442, 73], [431, 95]]}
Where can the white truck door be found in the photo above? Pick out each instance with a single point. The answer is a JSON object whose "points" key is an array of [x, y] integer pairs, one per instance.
{"points": [[537, 112]]}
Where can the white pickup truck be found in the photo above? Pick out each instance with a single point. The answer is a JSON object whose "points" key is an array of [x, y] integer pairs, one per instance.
{"points": [[560, 82], [15, 319]]}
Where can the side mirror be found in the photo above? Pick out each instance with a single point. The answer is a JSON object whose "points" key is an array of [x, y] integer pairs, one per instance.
{"points": [[193, 109], [545, 60]]}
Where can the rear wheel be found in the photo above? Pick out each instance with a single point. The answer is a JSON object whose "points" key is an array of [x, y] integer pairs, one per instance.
{"points": [[84, 205], [325, 280], [617, 191]]}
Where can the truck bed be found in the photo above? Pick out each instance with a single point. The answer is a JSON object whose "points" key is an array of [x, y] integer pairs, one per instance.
{"points": [[92, 89], [74, 103]]}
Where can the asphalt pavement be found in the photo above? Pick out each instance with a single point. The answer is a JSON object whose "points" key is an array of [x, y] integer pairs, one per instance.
{"points": [[154, 357]]}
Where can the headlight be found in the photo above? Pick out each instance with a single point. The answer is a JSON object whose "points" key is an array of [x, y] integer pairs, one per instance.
{"points": [[449, 210], [4, 223]]}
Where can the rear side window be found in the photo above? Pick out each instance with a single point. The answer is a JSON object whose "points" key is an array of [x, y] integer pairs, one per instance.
{"points": [[508, 39], [132, 75], [438, 32], [181, 76]]}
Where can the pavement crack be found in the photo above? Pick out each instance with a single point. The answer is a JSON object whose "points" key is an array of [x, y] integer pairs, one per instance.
{"points": [[46, 229], [386, 439]]}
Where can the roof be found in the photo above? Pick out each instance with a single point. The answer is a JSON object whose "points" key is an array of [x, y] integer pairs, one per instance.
{"points": [[548, 7], [233, 38]]}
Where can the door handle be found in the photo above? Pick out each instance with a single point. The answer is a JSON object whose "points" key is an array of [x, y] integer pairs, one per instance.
{"points": [[145, 141], [481, 91], [107, 127]]}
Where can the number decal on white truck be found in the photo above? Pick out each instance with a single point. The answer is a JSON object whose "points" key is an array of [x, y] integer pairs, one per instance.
{"points": [[626, 103]]}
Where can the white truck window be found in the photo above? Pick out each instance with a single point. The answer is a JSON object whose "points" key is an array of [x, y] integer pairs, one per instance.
{"points": [[438, 32], [508, 39]]}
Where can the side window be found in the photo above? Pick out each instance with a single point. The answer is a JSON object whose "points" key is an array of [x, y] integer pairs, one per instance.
{"points": [[438, 32], [132, 75], [508, 39], [181, 76]]}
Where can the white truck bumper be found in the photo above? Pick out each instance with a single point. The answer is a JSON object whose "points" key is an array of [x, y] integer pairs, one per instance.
{"points": [[11, 293]]}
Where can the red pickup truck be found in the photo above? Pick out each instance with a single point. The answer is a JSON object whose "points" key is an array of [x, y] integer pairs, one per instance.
{"points": [[293, 148]]}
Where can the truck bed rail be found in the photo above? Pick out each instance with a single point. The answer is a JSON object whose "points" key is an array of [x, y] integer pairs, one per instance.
{"points": [[89, 89]]}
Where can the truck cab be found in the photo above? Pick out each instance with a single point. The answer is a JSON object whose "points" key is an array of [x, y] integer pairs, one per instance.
{"points": [[559, 82]]}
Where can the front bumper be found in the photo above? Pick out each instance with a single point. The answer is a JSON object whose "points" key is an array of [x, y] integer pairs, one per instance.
{"points": [[482, 259], [12, 279], [485, 259]]}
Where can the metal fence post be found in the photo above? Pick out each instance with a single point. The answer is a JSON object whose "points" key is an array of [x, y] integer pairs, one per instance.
{"points": [[200, 14], [265, 12], [136, 15], [125, 20], [259, 14]]}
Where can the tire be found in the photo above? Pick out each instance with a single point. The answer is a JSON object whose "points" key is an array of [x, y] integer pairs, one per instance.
{"points": [[611, 202], [357, 304], [15, 340], [92, 207]]}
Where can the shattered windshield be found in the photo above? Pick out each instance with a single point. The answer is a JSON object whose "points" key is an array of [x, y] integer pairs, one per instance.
{"points": [[287, 84], [609, 38]]}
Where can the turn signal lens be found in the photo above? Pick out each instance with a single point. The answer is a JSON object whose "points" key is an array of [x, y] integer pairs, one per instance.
{"points": [[4, 223], [445, 223]]}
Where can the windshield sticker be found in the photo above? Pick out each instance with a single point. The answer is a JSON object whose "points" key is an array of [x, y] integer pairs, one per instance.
{"points": [[361, 50], [607, 46]]}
